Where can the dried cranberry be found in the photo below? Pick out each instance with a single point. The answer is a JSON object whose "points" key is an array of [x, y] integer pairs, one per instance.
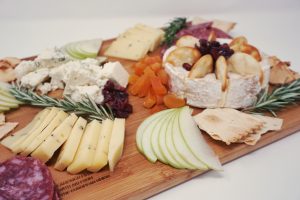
{"points": [[214, 48], [187, 66]]}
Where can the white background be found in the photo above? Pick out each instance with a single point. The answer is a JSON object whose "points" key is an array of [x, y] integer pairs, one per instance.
{"points": [[273, 172]]}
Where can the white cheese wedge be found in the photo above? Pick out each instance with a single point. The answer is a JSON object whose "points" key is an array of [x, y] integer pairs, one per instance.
{"points": [[87, 148], [46, 150], [18, 137], [155, 31], [128, 49], [36, 131], [116, 72], [57, 120], [69, 149], [116, 143], [101, 155]]}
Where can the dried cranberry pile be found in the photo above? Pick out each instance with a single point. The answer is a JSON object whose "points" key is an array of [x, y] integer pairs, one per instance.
{"points": [[215, 49], [117, 98]]}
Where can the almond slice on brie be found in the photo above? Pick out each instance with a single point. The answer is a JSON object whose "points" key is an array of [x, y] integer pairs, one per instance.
{"points": [[222, 71], [202, 67]]}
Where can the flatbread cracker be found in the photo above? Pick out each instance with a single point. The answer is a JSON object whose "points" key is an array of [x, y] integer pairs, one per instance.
{"points": [[6, 128], [220, 24], [227, 125], [270, 124]]}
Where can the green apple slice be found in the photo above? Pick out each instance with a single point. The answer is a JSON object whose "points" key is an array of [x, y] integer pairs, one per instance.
{"points": [[171, 147], [182, 147], [161, 141], [6, 93], [8, 99], [4, 108], [158, 132], [146, 138], [8, 104], [194, 140], [144, 125]]}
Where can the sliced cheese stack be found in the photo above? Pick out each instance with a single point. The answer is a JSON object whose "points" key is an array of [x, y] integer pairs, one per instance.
{"points": [[84, 145], [135, 43]]}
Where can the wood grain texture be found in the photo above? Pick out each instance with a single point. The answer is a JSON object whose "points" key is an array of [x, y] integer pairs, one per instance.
{"points": [[134, 177]]}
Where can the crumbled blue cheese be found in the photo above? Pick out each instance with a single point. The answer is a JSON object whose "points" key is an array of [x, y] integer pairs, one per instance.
{"points": [[52, 57], [44, 88], [82, 92], [33, 79], [25, 67]]}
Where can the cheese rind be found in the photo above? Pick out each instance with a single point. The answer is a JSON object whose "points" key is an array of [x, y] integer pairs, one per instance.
{"points": [[36, 131], [57, 120], [116, 143], [87, 148], [101, 155], [46, 150], [69, 149]]}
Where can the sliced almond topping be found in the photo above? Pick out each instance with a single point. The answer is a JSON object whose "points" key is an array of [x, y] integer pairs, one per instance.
{"points": [[182, 55], [187, 41], [244, 64], [222, 71], [202, 67]]}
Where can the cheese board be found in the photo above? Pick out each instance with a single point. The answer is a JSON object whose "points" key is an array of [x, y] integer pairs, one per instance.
{"points": [[135, 177]]}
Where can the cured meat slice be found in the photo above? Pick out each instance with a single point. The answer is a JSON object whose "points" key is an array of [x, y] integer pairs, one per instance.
{"points": [[56, 195], [25, 178]]}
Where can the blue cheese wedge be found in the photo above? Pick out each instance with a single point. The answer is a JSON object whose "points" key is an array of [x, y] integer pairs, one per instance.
{"points": [[47, 148], [87, 148], [68, 151]]}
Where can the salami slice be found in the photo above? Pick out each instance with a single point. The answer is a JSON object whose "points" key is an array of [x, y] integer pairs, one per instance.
{"points": [[25, 178], [56, 195]]}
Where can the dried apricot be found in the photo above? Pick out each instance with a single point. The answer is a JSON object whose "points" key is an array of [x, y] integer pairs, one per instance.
{"points": [[163, 76], [133, 78], [157, 86], [150, 99], [172, 101]]}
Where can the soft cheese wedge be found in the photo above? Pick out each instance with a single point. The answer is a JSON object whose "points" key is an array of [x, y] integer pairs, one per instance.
{"points": [[17, 137], [36, 131], [101, 156], [46, 150], [87, 148], [58, 119], [116, 143], [69, 149]]}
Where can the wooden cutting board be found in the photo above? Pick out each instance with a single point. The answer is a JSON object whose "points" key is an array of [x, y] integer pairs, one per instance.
{"points": [[135, 177]]}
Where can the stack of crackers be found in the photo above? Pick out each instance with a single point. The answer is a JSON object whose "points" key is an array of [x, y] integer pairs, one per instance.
{"points": [[232, 126]]}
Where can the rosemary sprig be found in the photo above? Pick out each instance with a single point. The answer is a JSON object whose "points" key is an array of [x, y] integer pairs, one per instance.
{"points": [[278, 99], [87, 108], [174, 27]]}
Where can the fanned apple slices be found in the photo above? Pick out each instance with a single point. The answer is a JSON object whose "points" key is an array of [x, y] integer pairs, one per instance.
{"points": [[172, 137]]}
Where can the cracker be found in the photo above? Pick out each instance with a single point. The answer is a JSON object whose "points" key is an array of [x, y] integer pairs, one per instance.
{"points": [[227, 125]]}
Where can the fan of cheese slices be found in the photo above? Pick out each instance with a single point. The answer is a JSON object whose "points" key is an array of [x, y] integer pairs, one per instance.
{"points": [[207, 81], [84, 145]]}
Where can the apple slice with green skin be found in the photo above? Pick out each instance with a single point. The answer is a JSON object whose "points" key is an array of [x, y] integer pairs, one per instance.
{"points": [[161, 140], [4, 108], [171, 147], [144, 125], [8, 99], [182, 147], [6, 93], [146, 138], [157, 133], [193, 138], [8, 104]]}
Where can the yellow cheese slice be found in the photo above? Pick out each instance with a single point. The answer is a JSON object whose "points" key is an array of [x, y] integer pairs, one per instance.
{"points": [[56, 121], [128, 49], [16, 138], [100, 159], [86, 151], [116, 143], [155, 31], [155, 34], [46, 150], [69, 149], [36, 131]]}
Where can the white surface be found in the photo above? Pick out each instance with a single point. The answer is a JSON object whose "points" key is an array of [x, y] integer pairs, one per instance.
{"points": [[272, 172]]}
